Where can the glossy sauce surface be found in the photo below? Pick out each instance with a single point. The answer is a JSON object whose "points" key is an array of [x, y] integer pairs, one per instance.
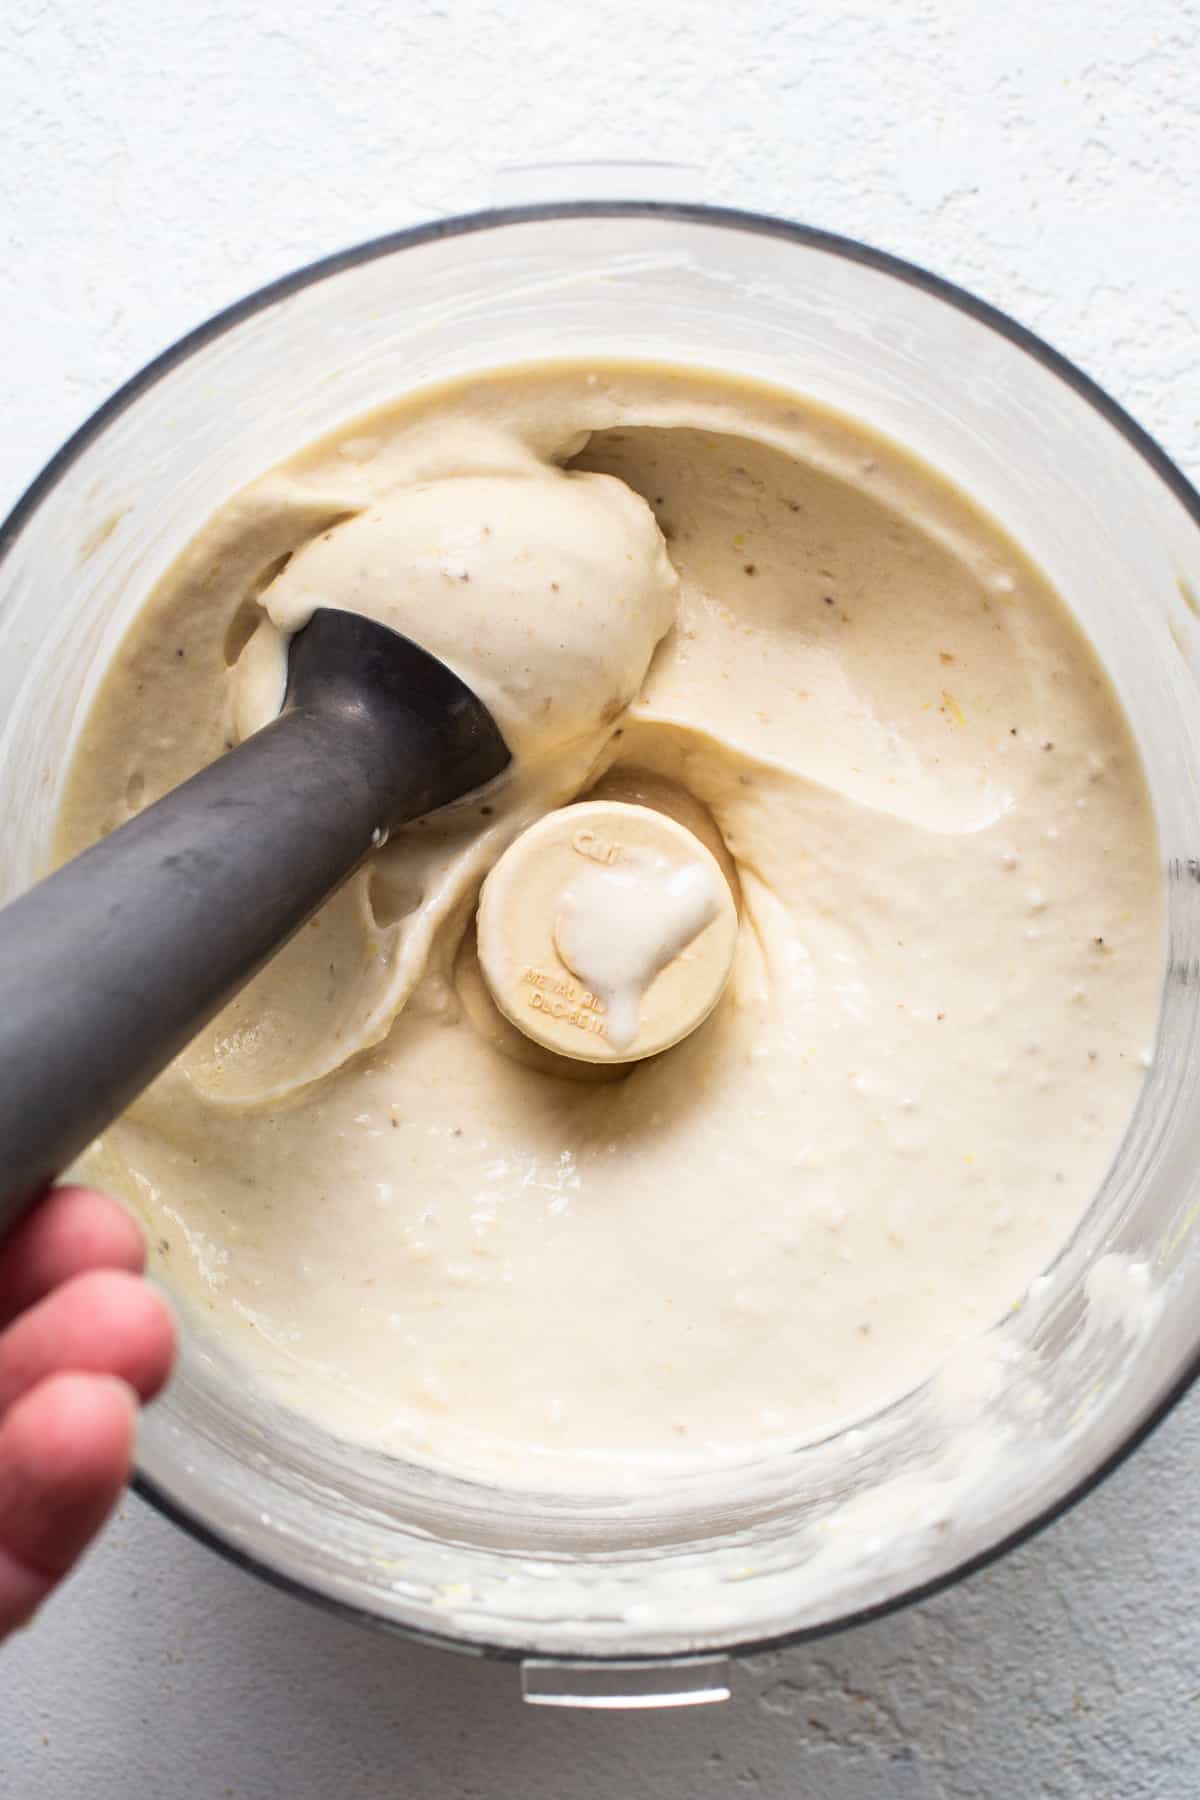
{"points": [[947, 970]]}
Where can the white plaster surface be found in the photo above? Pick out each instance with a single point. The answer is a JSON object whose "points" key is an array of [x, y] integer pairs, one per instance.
{"points": [[158, 161]]}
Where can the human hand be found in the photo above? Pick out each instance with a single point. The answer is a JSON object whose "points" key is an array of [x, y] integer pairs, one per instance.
{"points": [[82, 1340]]}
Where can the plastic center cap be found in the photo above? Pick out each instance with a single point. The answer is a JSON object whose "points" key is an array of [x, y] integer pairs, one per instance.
{"points": [[606, 932]]}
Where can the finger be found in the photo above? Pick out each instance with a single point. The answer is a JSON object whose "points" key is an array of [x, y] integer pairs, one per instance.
{"points": [[71, 1230], [107, 1322], [65, 1450]]}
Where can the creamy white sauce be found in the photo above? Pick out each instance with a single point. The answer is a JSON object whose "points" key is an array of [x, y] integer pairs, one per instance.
{"points": [[947, 969], [618, 926]]}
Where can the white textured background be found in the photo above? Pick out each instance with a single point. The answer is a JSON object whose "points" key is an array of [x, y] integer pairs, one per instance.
{"points": [[160, 157]]}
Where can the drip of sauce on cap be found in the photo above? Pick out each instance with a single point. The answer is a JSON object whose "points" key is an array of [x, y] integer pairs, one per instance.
{"points": [[606, 932]]}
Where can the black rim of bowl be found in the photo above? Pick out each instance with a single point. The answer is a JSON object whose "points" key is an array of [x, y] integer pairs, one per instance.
{"points": [[729, 219]]}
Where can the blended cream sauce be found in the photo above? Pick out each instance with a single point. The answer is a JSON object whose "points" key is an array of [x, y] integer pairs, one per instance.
{"points": [[411, 1223], [618, 928]]}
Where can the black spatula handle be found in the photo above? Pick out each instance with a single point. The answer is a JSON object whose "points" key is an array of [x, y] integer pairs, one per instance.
{"points": [[110, 966]]}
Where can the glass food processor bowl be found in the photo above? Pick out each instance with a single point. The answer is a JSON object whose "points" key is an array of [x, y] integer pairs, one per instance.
{"points": [[612, 1599]]}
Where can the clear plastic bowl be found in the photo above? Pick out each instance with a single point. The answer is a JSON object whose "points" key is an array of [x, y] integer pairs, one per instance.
{"points": [[837, 1530]]}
